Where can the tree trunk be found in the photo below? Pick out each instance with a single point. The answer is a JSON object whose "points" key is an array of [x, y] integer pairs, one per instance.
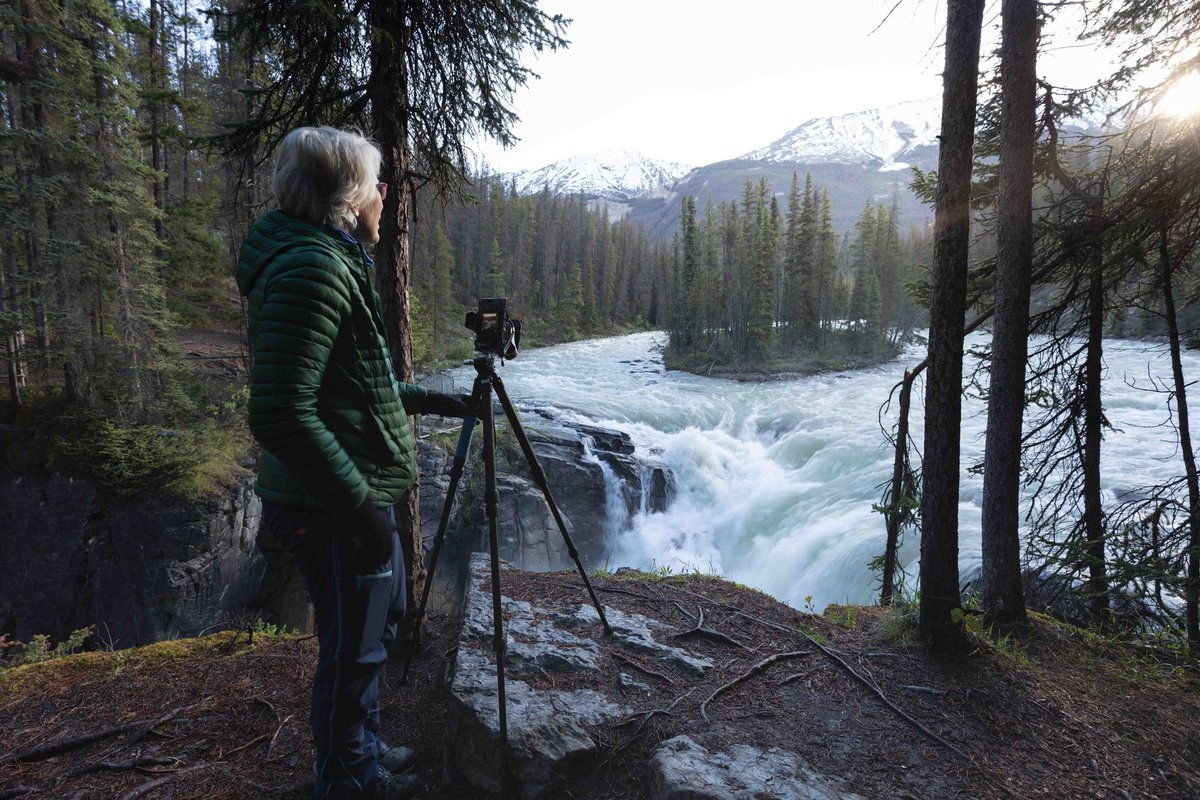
{"points": [[943, 387], [1192, 586], [12, 353], [1093, 512], [900, 468], [1001, 594], [390, 109]]}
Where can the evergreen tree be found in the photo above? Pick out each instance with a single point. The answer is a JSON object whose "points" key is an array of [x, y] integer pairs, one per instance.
{"points": [[826, 261], [943, 387]]}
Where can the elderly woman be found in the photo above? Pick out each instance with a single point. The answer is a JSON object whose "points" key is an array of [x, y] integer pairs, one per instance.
{"points": [[337, 452]]}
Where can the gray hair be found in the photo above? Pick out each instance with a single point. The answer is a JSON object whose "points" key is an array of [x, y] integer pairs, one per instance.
{"points": [[323, 174]]}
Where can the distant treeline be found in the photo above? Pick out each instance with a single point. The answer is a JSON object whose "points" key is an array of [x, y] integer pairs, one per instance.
{"points": [[567, 270], [752, 282]]}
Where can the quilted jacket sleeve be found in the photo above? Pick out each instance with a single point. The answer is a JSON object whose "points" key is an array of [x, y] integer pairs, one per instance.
{"points": [[412, 397], [303, 309]]}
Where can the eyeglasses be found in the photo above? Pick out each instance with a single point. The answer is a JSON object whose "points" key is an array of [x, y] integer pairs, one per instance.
{"points": [[382, 187]]}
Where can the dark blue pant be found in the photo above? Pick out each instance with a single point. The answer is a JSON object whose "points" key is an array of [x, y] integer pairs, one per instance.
{"points": [[357, 613]]}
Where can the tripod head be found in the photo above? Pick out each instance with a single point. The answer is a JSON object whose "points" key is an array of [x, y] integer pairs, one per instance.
{"points": [[484, 364]]}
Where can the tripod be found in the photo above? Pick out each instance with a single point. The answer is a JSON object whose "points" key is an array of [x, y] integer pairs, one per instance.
{"points": [[487, 381]]}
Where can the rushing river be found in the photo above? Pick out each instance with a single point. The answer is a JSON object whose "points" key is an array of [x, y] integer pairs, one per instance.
{"points": [[776, 480]]}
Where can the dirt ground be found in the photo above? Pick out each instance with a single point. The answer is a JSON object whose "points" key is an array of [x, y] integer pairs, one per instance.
{"points": [[1052, 712]]}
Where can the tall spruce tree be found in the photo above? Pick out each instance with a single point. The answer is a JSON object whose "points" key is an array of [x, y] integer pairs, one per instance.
{"points": [[943, 387], [1001, 592]]}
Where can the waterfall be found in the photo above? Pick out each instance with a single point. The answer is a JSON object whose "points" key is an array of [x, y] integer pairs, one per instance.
{"points": [[774, 482], [616, 512]]}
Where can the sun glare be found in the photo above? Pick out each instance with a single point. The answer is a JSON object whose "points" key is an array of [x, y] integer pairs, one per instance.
{"points": [[1182, 99]]}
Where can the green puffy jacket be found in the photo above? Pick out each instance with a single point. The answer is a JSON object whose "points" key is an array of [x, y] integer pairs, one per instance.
{"points": [[324, 402]]}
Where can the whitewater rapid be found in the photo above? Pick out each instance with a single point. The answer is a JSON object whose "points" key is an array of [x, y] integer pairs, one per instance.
{"points": [[776, 480]]}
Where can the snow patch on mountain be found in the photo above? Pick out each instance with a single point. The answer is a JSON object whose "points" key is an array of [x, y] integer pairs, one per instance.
{"points": [[879, 137], [619, 175]]}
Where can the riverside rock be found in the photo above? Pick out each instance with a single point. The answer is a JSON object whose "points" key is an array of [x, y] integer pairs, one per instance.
{"points": [[548, 728], [682, 769], [596, 480]]}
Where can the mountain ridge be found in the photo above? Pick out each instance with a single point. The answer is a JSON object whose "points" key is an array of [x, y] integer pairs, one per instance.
{"points": [[859, 157]]}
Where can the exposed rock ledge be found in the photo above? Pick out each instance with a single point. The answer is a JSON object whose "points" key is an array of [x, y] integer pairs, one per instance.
{"points": [[560, 692]]}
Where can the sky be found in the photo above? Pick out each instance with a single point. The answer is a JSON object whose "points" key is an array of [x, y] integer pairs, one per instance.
{"points": [[701, 81]]}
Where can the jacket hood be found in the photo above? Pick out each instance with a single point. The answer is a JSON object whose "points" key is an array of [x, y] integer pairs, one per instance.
{"points": [[271, 234]]}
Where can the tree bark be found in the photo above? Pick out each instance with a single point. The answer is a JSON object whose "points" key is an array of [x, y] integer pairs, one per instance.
{"points": [[1192, 585], [390, 110], [943, 387], [1001, 593]]}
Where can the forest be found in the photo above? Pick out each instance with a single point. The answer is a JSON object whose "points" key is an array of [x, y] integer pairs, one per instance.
{"points": [[135, 148], [752, 284]]}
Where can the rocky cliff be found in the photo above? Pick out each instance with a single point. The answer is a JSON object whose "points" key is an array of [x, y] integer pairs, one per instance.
{"points": [[139, 573], [143, 572]]}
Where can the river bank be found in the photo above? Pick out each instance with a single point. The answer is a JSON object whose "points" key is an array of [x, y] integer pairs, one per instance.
{"points": [[1050, 711], [778, 367]]}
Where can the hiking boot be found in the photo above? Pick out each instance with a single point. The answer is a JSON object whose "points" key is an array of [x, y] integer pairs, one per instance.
{"points": [[390, 786], [396, 759]]}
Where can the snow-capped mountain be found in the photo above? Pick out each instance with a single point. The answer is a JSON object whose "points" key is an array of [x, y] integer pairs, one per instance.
{"points": [[880, 137], [619, 175]]}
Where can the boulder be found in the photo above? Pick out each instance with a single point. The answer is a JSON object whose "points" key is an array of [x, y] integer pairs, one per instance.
{"points": [[548, 737], [683, 769]]}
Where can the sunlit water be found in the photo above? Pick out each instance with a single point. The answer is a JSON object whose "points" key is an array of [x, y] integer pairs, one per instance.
{"points": [[776, 480]]}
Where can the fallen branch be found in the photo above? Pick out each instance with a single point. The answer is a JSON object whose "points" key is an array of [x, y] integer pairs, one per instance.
{"points": [[796, 676], [150, 786], [757, 668], [16, 791], [285, 721], [923, 690], [264, 701], [75, 742], [119, 766], [709, 633], [256, 740], [640, 668]]}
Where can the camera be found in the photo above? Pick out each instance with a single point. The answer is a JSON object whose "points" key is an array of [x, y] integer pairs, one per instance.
{"points": [[495, 332]]}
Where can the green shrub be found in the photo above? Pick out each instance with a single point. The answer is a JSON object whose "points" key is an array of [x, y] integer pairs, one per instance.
{"points": [[39, 649], [126, 461]]}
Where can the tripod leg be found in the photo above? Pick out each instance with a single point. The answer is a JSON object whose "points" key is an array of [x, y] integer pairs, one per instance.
{"points": [[539, 477], [491, 501], [456, 471]]}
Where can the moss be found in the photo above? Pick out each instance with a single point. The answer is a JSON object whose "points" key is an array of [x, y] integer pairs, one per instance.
{"points": [[71, 669]]}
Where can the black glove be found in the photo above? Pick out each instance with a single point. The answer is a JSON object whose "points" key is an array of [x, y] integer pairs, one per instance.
{"points": [[449, 405], [371, 545]]}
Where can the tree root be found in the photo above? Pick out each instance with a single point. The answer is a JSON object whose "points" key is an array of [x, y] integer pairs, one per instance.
{"points": [[870, 687], [642, 669], [708, 633], [653, 713], [757, 668], [850, 670]]}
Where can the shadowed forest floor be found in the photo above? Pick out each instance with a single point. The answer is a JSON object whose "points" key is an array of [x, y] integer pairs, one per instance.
{"points": [[1053, 712]]}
